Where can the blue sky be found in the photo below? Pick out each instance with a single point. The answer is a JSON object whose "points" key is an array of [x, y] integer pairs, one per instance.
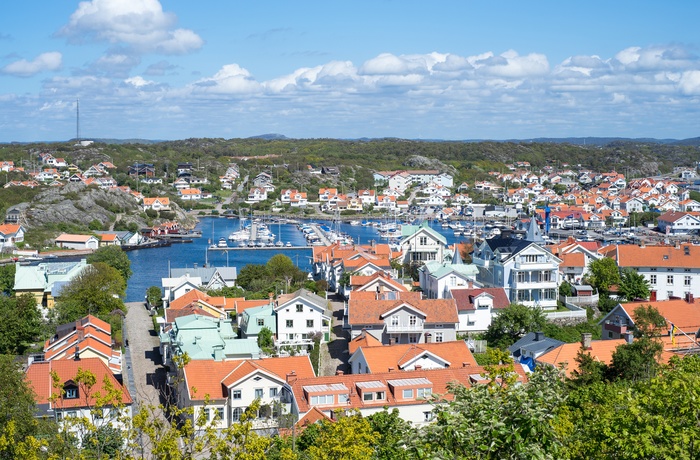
{"points": [[173, 69]]}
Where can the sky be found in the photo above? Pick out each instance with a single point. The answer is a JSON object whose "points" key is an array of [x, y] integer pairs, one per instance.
{"points": [[454, 70]]}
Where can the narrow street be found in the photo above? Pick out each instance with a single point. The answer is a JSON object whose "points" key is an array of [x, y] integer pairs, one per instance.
{"points": [[334, 355]]}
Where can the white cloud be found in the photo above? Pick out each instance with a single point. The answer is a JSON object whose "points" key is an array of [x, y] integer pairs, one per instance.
{"points": [[512, 65], [690, 82], [655, 58], [388, 64], [140, 24], [231, 79], [42, 63], [138, 82]]}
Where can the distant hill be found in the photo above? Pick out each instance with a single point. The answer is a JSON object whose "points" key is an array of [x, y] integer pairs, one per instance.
{"points": [[270, 137]]}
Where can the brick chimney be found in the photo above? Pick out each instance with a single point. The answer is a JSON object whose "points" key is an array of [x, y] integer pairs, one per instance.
{"points": [[391, 369], [465, 364], [689, 297], [470, 285], [419, 367], [291, 377], [586, 340]]}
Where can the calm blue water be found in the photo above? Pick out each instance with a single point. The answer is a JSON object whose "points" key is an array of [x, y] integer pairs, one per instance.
{"points": [[150, 265]]}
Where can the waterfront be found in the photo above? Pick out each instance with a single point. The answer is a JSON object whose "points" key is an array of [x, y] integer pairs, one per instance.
{"points": [[150, 265]]}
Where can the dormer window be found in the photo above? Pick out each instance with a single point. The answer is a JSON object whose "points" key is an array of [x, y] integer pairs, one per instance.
{"points": [[71, 393]]}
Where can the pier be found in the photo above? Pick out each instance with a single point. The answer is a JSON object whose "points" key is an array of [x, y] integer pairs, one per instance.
{"points": [[321, 234], [256, 248]]}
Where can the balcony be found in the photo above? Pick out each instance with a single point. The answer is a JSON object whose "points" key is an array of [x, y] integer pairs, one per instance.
{"points": [[615, 326], [399, 328]]}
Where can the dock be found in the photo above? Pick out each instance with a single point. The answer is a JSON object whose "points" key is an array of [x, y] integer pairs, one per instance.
{"points": [[255, 248], [321, 234]]}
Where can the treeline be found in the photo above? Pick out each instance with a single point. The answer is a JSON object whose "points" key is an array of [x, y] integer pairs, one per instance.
{"points": [[547, 418]]}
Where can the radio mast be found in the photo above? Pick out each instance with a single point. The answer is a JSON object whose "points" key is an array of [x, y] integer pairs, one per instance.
{"points": [[77, 121]]}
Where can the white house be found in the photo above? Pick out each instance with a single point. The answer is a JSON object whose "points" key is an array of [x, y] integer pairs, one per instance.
{"points": [[378, 358], [256, 194], [300, 315], [232, 386], [476, 307], [528, 272], [436, 279], [10, 235], [678, 223], [422, 244], [672, 271], [68, 241]]}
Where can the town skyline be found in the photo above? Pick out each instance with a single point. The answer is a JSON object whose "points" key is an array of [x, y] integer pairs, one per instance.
{"points": [[172, 70]]}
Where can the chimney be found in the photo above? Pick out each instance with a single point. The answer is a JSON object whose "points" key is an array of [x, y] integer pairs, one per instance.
{"points": [[270, 295], [391, 369], [291, 377], [465, 364], [652, 296], [689, 297], [419, 367], [539, 336], [586, 340], [470, 284], [629, 336], [339, 372], [76, 353]]}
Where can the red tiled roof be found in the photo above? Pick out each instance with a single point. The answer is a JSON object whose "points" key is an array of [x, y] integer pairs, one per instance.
{"points": [[39, 379], [684, 256], [436, 379], [211, 377], [465, 297], [382, 358], [365, 339], [362, 311]]}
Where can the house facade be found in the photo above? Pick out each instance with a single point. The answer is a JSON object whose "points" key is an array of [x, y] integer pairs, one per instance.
{"points": [[300, 315], [420, 244]]}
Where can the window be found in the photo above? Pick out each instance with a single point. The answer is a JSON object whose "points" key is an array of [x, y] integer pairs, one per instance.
{"points": [[412, 319], [71, 393], [453, 281], [669, 269], [549, 294], [407, 394], [653, 269], [261, 322], [545, 276], [687, 270], [438, 337], [273, 392], [686, 281], [380, 396], [368, 396], [423, 240], [290, 323], [521, 277], [530, 259], [652, 280], [258, 393], [343, 398], [321, 399], [220, 413], [427, 416], [394, 320], [412, 338], [236, 394], [309, 323], [71, 414], [424, 392], [610, 334], [300, 308], [669, 279], [236, 414], [523, 295]]}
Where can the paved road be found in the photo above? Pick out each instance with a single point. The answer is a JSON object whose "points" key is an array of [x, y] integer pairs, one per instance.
{"points": [[146, 376], [334, 355]]}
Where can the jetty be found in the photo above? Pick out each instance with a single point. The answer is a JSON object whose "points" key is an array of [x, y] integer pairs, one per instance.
{"points": [[256, 248]]}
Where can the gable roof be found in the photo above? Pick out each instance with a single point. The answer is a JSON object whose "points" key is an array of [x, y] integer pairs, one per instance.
{"points": [[363, 340], [630, 255], [38, 377], [535, 342], [679, 312], [465, 297], [307, 295], [382, 358], [212, 377], [364, 309]]}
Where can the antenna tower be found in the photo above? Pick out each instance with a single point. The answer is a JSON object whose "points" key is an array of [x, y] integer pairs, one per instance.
{"points": [[77, 121]]}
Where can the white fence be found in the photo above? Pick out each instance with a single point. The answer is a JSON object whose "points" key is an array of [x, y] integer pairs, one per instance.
{"points": [[575, 312]]}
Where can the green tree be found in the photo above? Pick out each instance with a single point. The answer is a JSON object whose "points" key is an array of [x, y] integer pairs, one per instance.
{"points": [[496, 422], [512, 323], [154, 297], [115, 257], [7, 279], [604, 273], [633, 285], [589, 370], [265, 340], [253, 276], [349, 437], [21, 323], [394, 434], [17, 407], [97, 290]]}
